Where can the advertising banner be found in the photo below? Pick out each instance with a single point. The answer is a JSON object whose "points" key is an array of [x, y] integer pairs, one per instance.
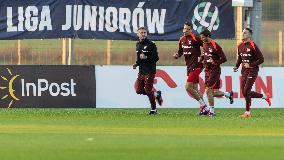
{"points": [[115, 87], [47, 86], [117, 20]]}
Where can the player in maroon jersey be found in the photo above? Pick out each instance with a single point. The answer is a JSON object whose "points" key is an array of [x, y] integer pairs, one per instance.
{"points": [[213, 56], [250, 57], [189, 47]]}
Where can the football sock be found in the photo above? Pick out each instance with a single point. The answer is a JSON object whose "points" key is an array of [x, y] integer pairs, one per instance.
{"points": [[201, 102], [155, 94], [227, 94], [211, 108]]}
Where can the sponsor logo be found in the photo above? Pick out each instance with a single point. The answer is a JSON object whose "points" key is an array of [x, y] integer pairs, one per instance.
{"points": [[37, 88], [205, 16], [6, 87]]}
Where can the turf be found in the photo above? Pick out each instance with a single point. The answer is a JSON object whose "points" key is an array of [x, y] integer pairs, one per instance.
{"points": [[34, 134]]}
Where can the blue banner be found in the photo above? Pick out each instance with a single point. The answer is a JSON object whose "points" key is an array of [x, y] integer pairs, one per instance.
{"points": [[108, 19]]}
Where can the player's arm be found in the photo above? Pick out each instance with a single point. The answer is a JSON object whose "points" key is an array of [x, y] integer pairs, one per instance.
{"points": [[138, 60], [180, 51], [259, 56], [201, 58], [199, 42], [222, 56], [239, 61]]}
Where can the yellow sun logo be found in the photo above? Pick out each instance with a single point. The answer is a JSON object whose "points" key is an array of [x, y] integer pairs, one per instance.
{"points": [[10, 87]]}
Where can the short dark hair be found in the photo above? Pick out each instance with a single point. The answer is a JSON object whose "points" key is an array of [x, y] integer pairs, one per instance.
{"points": [[248, 29], [140, 28], [188, 24], [206, 33]]}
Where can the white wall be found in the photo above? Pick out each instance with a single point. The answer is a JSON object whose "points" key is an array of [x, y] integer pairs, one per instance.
{"points": [[115, 88]]}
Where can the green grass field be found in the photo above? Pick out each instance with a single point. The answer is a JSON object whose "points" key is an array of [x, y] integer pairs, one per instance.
{"points": [[72, 134]]}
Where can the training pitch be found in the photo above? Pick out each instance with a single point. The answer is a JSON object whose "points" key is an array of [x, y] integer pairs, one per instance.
{"points": [[127, 134]]}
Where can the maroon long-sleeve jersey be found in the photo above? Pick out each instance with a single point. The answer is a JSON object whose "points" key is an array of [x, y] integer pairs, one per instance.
{"points": [[249, 53], [189, 46], [214, 51]]}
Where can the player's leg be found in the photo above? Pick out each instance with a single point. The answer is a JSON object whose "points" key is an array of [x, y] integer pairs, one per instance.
{"points": [[158, 97], [191, 87], [216, 87], [149, 81], [229, 95], [247, 92], [213, 83], [210, 96], [246, 85], [217, 92], [195, 87], [250, 81], [140, 85], [254, 74]]}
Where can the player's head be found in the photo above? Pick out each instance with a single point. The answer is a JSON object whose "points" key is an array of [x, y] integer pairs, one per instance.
{"points": [[187, 28], [142, 33], [205, 35], [247, 33]]}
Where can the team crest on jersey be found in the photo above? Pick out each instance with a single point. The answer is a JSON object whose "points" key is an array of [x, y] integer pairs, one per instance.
{"points": [[189, 41], [145, 47], [248, 49]]}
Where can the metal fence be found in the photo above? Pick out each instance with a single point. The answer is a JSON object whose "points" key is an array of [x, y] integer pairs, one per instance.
{"points": [[49, 51]]}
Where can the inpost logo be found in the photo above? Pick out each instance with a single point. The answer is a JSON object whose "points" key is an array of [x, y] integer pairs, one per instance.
{"points": [[37, 89], [10, 78]]}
